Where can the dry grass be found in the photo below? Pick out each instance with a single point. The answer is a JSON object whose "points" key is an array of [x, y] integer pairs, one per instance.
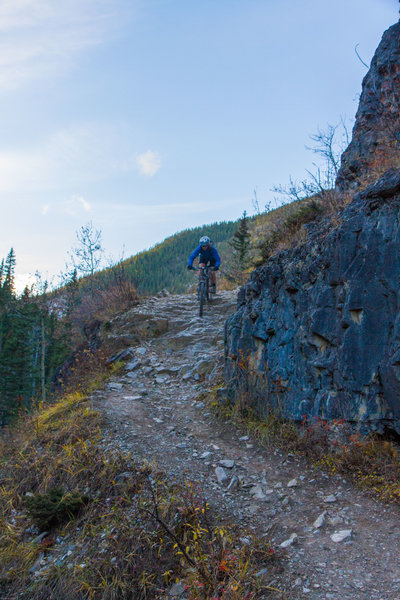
{"points": [[133, 536], [372, 462]]}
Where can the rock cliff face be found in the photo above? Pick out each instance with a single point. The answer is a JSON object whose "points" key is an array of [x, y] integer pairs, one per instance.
{"points": [[376, 134], [317, 330]]}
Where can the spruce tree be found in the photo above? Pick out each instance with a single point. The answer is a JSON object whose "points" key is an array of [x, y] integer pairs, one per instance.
{"points": [[9, 275], [240, 243]]}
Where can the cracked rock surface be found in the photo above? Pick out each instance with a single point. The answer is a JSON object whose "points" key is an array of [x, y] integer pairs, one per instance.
{"points": [[319, 324]]}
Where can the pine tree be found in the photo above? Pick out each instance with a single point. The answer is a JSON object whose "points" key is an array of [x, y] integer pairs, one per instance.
{"points": [[9, 276], [240, 242]]}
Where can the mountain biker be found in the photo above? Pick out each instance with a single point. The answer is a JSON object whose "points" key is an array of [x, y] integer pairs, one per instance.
{"points": [[208, 255]]}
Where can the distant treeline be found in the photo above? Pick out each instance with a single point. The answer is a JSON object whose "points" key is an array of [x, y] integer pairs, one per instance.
{"points": [[31, 346]]}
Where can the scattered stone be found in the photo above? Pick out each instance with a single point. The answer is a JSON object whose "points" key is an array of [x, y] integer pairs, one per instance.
{"points": [[341, 535], [141, 350], [122, 355], [150, 326], [319, 521], [37, 564], [291, 540], [244, 438], [177, 590], [234, 483], [221, 475], [257, 492], [205, 455], [228, 464], [40, 537], [133, 398], [167, 370], [132, 375], [330, 498], [122, 477], [133, 365], [113, 386], [292, 483]]}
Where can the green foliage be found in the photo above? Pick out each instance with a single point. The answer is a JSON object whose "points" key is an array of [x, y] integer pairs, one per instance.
{"points": [[240, 242], [53, 507], [31, 346]]}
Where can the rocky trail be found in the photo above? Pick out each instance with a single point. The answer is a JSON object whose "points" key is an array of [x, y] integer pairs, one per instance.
{"points": [[339, 543]]}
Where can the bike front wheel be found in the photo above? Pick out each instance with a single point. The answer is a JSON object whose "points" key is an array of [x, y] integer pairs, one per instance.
{"points": [[202, 297]]}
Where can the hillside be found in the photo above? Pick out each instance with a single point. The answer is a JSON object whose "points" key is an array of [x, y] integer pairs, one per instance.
{"points": [[134, 489], [164, 265]]}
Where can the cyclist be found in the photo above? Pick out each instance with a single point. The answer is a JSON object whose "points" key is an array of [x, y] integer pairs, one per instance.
{"points": [[208, 255]]}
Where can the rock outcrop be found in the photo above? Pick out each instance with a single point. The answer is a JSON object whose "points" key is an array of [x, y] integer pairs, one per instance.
{"points": [[376, 135], [317, 330]]}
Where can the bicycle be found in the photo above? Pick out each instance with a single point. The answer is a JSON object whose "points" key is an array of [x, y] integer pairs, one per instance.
{"points": [[204, 293]]}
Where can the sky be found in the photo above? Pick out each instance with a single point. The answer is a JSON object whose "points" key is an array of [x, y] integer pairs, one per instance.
{"points": [[146, 117]]}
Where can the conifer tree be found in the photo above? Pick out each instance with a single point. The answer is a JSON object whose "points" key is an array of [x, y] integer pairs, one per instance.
{"points": [[240, 242], [9, 276]]}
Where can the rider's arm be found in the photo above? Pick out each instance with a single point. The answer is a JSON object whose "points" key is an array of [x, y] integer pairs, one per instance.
{"points": [[216, 257], [193, 255]]}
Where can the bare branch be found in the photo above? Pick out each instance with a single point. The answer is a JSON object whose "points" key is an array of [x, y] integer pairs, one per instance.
{"points": [[359, 57]]}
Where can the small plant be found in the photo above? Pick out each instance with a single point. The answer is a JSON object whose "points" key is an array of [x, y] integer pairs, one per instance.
{"points": [[54, 507]]}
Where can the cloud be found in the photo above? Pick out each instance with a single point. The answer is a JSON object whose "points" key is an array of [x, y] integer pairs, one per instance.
{"points": [[72, 158], [42, 37], [45, 209], [75, 205], [76, 155], [148, 163]]}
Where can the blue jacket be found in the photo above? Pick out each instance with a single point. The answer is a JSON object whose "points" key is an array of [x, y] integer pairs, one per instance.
{"points": [[210, 254]]}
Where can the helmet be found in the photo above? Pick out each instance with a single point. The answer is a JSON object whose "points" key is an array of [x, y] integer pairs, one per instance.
{"points": [[205, 240]]}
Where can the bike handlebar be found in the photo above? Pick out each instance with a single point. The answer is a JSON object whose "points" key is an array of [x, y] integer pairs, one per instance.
{"points": [[200, 268]]}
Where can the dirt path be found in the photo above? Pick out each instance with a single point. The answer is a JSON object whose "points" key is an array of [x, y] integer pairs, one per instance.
{"points": [[154, 412]]}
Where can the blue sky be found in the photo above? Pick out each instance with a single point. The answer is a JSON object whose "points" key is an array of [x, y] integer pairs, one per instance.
{"points": [[150, 116]]}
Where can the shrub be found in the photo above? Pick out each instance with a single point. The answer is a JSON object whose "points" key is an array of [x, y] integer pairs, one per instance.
{"points": [[54, 507]]}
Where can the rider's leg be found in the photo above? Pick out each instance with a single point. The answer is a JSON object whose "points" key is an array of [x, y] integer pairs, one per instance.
{"points": [[213, 279]]}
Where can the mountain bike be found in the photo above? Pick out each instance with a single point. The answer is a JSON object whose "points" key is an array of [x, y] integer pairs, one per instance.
{"points": [[204, 293]]}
